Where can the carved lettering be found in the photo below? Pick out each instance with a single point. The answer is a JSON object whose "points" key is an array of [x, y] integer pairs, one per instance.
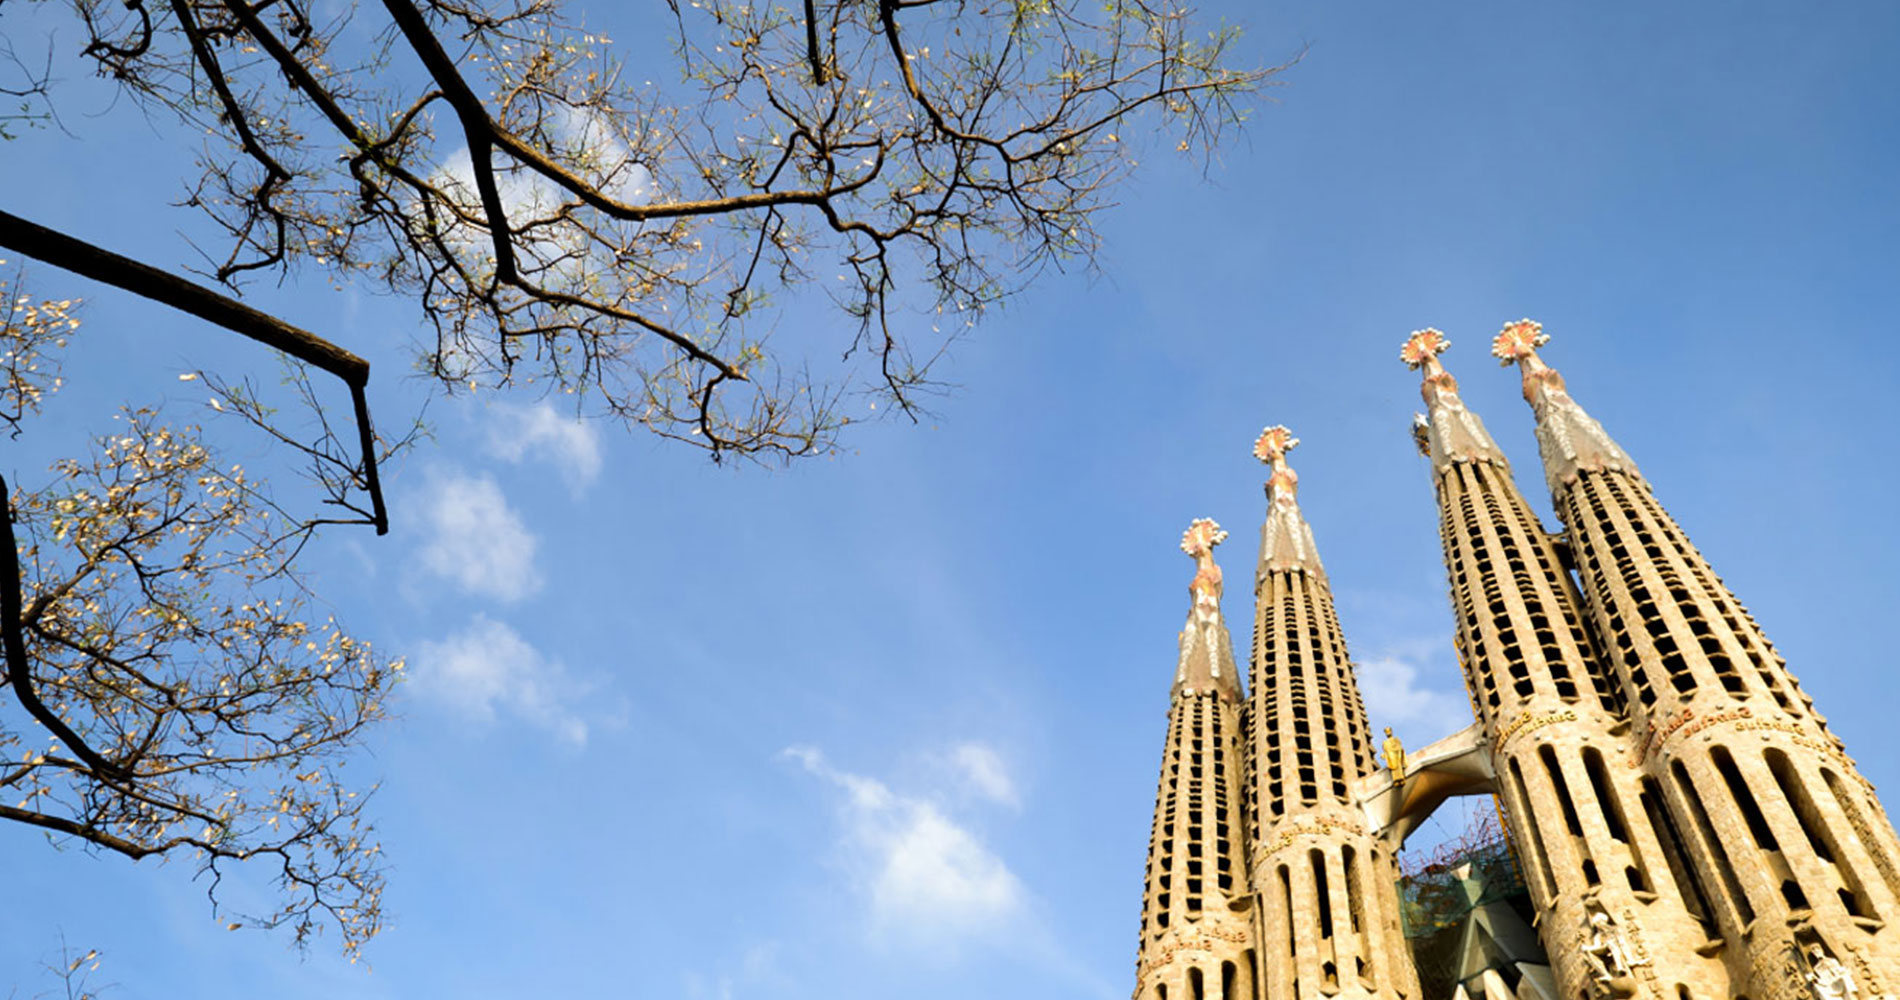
{"points": [[1532, 723], [1657, 734], [1307, 826]]}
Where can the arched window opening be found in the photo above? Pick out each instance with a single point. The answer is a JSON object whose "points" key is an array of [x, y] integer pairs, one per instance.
{"points": [[1548, 754], [1353, 888], [1744, 798], [1610, 804], [1286, 896], [1688, 885], [1607, 801], [1852, 892], [1873, 840], [1718, 855], [1323, 895], [1539, 858]]}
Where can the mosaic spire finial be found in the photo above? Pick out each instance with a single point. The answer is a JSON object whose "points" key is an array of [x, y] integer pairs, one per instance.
{"points": [[1201, 537], [1517, 344], [1422, 349], [1273, 444], [1206, 658], [1271, 448], [1518, 341], [1447, 431], [1198, 541], [1286, 542], [1568, 439]]}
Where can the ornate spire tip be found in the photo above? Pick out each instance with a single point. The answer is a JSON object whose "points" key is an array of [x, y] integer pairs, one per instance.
{"points": [[1422, 346], [1518, 341], [1201, 537], [1274, 443]]}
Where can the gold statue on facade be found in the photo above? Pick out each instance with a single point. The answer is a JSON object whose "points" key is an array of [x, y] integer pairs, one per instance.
{"points": [[1394, 756]]}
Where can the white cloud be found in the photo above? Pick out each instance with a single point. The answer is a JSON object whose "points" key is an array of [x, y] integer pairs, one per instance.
{"points": [[758, 966], [1389, 685], [588, 139], [557, 239], [571, 444], [982, 770], [489, 669], [928, 881], [475, 540]]}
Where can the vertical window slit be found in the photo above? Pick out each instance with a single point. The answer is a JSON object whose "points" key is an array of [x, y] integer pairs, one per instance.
{"points": [[1821, 839], [1286, 900], [1539, 858], [1352, 887], [1688, 885], [1874, 840], [1718, 855], [1321, 893]]}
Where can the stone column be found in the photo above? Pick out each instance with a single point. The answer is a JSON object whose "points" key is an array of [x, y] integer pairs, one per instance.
{"points": [[1788, 840], [1614, 914], [1197, 928], [1328, 913]]}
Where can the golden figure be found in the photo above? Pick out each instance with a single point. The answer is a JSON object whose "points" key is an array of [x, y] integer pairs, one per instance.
{"points": [[1394, 756]]}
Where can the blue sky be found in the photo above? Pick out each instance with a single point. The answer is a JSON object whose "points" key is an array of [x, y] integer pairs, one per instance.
{"points": [[891, 720]]}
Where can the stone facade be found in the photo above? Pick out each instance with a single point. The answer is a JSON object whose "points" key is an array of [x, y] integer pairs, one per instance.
{"points": [[1601, 863], [1328, 912], [1197, 940], [1689, 827], [1792, 850]]}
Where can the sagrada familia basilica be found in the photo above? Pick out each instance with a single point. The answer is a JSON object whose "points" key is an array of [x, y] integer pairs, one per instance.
{"points": [[1686, 824]]}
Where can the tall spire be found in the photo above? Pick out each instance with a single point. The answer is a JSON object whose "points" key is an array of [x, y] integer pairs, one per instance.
{"points": [[1286, 541], [1782, 839], [1451, 433], [1590, 846], [1329, 919], [1196, 919], [1568, 438], [1207, 654]]}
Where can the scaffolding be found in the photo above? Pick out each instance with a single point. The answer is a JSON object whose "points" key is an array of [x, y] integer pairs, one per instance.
{"points": [[1439, 888]]}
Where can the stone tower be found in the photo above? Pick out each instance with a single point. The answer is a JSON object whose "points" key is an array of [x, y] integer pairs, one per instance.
{"points": [[1791, 849], [1197, 938], [1687, 826], [1328, 913], [1616, 910]]}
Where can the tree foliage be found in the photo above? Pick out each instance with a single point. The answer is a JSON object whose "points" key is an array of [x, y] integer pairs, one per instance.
{"points": [[182, 697], [560, 218], [809, 203]]}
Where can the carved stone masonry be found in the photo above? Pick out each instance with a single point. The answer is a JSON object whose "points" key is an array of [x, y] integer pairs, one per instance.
{"points": [[1828, 978], [1607, 949]]}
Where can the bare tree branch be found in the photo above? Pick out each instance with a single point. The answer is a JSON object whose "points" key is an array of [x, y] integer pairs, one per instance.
{"points": [[84, 259]]}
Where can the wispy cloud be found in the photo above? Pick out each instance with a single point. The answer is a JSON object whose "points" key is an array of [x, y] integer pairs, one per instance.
{"points": [[589, 139], [1390, 684], [758, 966], [565, 244], [488, 670], [475, 540], [927, 880], [570, 444], [982, 771]]}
